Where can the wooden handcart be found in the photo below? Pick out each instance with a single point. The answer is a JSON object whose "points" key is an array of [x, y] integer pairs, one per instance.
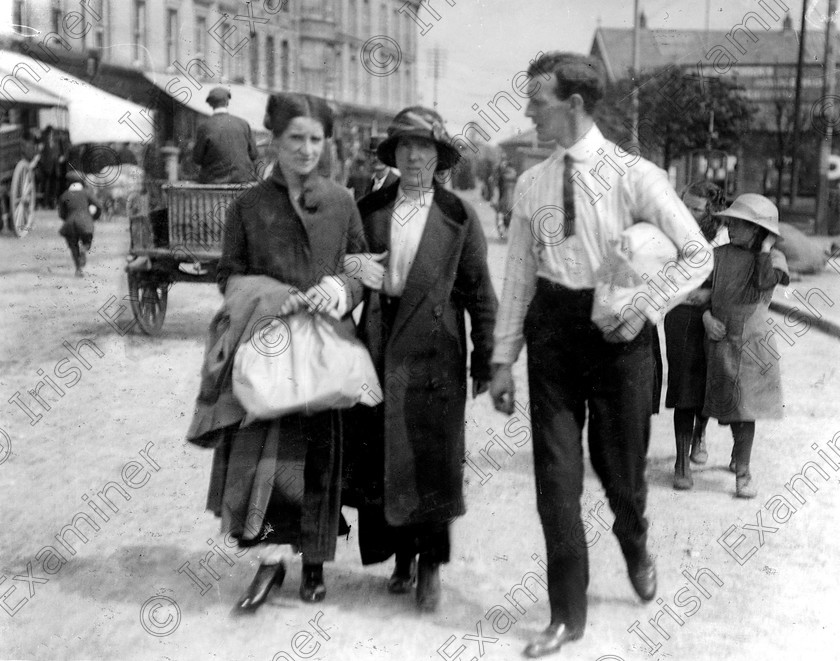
{"points": [[179, 243]]}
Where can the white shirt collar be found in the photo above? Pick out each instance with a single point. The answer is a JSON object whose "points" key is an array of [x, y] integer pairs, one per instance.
{"points": [[586, 148], [219, 111], [423, 202]]}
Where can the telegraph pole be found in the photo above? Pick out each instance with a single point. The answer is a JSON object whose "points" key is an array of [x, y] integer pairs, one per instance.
{"points": [[634, 96], [797, 102], [825, 148]]}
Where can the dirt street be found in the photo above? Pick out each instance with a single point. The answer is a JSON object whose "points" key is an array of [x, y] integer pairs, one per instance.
{"points": [[739, 580]]}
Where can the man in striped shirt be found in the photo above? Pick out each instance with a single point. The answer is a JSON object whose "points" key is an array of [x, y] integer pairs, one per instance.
{"points": [[568, 214]]}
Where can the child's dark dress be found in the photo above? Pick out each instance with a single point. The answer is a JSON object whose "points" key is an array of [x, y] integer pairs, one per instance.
{"points": [[743, 380]]}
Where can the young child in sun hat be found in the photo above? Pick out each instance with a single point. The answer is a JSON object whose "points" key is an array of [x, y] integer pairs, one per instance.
{"points": [[743, 379]]}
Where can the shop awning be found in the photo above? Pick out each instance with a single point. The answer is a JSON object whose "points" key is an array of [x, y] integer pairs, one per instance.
{"points": [[246, 102], [93, 115]]}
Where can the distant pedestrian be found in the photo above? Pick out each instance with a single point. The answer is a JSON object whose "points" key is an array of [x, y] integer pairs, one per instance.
{"points": [[126, 156], [743, 381], [224, 147], [382, 176], [78, 208], [684, 344]]}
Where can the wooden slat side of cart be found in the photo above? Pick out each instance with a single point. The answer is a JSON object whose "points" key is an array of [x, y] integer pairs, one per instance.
{"points": [[179, 243]]}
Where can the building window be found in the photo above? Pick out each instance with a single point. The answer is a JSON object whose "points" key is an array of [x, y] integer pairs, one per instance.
{"points": [[172, 35], [270, 69], [383, 18], [352, 16], [139, 25], [201, 36], [254, 55], [284, 65]]}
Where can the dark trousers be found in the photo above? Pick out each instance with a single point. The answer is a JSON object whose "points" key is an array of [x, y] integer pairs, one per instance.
{"points": [[570, 366], [79, 244]]}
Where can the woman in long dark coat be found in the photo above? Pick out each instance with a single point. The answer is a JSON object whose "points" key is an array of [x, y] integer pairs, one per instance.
{"points": [[408, 463], [278, 482]]}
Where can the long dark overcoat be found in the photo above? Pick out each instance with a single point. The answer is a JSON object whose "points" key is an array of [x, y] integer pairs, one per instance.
{"points": [[225, 150], [423, 361]]}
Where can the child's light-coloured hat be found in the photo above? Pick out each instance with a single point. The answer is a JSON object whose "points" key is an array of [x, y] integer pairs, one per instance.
{"points": [[755, 209]]}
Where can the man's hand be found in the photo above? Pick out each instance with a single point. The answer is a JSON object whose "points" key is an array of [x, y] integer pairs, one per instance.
{"points": [[715, 328], [699, 297], [503, 389]]}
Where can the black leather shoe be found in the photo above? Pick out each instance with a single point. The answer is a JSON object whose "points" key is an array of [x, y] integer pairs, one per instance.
{"points": [[428, 585], [267, 576], [552, 639], [312, 586], [404, 576], [643, 577]]}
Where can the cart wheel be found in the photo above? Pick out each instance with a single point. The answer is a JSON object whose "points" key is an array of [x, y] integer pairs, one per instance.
{"points": [[22, 199], [148, 302]]}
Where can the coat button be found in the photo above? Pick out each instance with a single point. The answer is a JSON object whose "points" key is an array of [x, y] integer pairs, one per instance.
{"points": [[434, 383], [438, 311]]}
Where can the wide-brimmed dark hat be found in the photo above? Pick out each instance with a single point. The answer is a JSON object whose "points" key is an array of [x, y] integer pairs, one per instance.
{"points": [[419, 122], [74, 177], [218, 96]]}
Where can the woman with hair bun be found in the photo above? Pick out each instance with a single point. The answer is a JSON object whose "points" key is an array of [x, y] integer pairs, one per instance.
{"points": [[277, 482]]}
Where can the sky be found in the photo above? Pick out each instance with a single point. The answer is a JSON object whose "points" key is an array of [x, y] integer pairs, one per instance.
{"points": [[486, 42]]}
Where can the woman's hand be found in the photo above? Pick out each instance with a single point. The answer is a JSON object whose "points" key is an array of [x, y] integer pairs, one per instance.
{"points": [[479, 386], [328, 297], [715, 328], [367, 267], [296, 302]]}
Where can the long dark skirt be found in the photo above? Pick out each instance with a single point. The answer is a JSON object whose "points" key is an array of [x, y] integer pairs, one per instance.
{"points": [[684, 336], [279, 482]]}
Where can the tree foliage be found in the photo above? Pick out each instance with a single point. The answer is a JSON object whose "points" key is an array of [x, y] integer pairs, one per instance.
{"points": [[674, 110]]}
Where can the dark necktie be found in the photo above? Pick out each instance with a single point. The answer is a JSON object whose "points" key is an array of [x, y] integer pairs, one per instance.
{"points": [[568, 196]]}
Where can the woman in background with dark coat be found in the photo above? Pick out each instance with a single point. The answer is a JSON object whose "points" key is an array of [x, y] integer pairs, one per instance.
{"points": [[278, 482], [408, 460]]}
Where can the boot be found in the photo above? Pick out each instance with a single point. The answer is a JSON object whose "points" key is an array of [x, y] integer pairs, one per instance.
{"points": [[744, 487], [682, 469], [312, 583], [699, 455], [428, 585]]}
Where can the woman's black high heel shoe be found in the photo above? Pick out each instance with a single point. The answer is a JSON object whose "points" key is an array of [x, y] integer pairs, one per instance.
{"points": [[312, 586], [267, 576]]}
